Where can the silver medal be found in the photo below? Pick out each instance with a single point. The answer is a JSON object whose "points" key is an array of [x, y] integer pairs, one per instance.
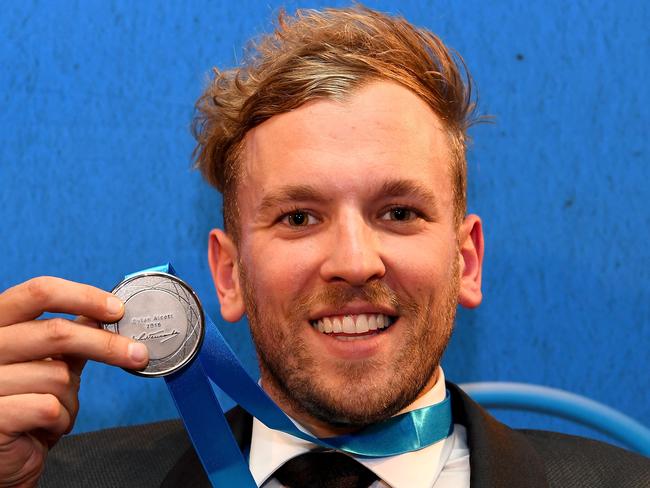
{"points": [[164, 313]]}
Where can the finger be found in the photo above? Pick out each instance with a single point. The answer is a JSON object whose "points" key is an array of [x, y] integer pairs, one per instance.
{"points": [[40, 339], [77, 364], [24, 413], [30, 299], [87, 321], [53, 377]]}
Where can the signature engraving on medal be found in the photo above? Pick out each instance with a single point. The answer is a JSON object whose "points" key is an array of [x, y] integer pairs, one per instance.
{"points": [[162, 335]]}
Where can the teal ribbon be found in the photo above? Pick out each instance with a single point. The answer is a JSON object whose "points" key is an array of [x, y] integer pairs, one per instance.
{"points": [[213, 441]]}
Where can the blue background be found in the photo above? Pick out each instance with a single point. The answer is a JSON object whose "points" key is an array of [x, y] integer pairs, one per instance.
{"points": [[95, 176]]}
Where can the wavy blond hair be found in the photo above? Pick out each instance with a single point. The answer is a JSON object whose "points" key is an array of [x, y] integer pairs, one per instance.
{"points": [[328, 55]]}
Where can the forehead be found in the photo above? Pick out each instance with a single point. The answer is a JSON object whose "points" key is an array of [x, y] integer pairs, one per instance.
{"points": [[382, 132]]}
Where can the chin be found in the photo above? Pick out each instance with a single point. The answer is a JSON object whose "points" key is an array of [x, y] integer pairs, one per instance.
{"points": [[357, 400], [356, 414], [352, 419]]}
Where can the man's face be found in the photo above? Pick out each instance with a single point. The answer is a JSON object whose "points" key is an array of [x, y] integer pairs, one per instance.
{"points": [[349, 259]]}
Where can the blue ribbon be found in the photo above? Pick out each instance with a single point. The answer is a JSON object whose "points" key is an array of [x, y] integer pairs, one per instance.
{"points": [[214, 443]]}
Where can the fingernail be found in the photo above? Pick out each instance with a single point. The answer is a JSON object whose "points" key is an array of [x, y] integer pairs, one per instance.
{"points": [[114, 305], [138, 352]]}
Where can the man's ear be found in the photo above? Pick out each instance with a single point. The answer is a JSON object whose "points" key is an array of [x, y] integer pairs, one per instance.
{"points": [[222, 256], [470, 238]]}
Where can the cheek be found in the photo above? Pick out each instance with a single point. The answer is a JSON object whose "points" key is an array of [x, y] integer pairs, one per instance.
{"points": [[419, 265], [283, 270]]}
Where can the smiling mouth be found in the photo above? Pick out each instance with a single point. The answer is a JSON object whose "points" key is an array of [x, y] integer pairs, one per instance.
{"points": [[351, 327]]}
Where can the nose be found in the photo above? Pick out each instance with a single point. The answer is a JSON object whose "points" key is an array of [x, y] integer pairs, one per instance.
{"points": [[353, 255]]}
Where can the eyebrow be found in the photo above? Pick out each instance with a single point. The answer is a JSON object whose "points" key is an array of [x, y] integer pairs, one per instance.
{"points": [[412, 189], [291, 193], [389, 189]]}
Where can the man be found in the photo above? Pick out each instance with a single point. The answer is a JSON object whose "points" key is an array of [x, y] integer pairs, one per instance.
{"points": [[339, 148]]}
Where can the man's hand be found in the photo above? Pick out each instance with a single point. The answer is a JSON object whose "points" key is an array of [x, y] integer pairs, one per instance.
{"points": [[41, 363]]}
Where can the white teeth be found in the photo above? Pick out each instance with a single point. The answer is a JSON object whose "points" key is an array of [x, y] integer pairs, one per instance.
{"points": [[352, 324], [336, 326], [372, 322], [381, 321], [348, 325], [327, 324], [362, 324]]}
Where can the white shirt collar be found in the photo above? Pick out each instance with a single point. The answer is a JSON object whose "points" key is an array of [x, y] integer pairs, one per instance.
{"points": [[270, 449]]}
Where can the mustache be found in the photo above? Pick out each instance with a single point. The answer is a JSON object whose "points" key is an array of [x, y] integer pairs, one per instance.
{"points": [[376, 293]]}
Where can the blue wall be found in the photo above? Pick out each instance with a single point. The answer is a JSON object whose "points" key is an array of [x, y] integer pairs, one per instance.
{"points": [[95, 176]]}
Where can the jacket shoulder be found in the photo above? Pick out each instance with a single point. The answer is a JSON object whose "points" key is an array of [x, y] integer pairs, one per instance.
{"points": [[577, 461], [139, 456]]}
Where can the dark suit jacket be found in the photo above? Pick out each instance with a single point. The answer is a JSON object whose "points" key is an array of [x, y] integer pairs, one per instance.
{"points": [[161, 455]]}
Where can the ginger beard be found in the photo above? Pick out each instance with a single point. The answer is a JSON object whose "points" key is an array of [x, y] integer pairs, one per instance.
{"points": [[365, 393]]}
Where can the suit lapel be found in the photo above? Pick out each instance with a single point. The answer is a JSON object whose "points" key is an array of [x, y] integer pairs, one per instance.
{"points": [[499, 456], [188, 471]]}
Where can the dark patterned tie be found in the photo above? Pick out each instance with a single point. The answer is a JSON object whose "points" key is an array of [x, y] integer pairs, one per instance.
{"points": [[324, 470]]}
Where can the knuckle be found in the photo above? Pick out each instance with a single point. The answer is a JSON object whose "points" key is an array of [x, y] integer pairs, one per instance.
{"points": [[61, 374], [39, 288], [112, 344], [50, 407], [58, 329]]}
